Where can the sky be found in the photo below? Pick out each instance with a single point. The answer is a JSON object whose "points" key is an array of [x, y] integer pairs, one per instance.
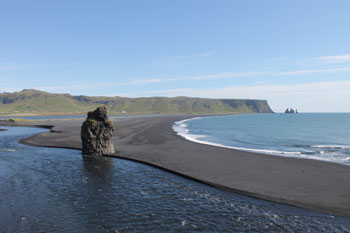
{"points": [[293, 53]]}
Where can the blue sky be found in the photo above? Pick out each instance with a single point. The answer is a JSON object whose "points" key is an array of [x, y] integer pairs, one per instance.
{"points": [[292, 53]]}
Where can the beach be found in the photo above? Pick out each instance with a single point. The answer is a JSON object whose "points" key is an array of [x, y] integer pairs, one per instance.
{"points": [[311, 184]]}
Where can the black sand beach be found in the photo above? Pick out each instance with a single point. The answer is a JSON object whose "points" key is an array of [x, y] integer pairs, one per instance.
{"points": [[311, 184]]}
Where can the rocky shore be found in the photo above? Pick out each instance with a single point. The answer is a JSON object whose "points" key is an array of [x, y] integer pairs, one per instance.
{"points": [[311, 184]]}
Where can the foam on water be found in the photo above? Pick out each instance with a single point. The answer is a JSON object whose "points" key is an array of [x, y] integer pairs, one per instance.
{"points": [[331, 146], [7, 150], [182, 130]]}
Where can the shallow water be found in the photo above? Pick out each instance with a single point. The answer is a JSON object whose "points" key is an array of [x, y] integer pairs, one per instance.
{"points": [[56, 190], [323, 136]]}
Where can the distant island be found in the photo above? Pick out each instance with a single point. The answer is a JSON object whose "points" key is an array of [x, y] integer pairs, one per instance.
{"points": [[291, 110], [35, 102]]}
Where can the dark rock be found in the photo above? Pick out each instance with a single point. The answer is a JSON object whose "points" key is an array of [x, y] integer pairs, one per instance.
{"points": [[96, 133], [291, 110]]}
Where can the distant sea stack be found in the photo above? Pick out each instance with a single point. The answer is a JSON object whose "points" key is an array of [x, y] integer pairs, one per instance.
{"points": [[291, 110], [96, 133]]}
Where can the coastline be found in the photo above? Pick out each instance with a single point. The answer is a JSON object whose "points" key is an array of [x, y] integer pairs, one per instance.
{"points": [[311, 184], [312, 149]]}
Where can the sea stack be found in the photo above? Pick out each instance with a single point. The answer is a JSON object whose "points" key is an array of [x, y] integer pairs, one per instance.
{"points": [[96, 133]]}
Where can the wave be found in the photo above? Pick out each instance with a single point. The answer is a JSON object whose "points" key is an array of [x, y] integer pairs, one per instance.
{"points": [[318, 152], [331, 146], [181, 129], [8, 150], [322, 146]]}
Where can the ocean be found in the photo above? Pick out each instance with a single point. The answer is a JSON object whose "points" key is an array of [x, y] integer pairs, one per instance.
{"points": [[322, 136]]}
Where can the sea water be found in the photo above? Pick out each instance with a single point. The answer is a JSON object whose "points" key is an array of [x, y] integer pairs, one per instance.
{"points": [[57, 190], [322, 136]]}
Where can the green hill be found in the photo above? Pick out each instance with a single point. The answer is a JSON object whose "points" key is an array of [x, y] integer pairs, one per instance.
{"points": [[31, 101]]}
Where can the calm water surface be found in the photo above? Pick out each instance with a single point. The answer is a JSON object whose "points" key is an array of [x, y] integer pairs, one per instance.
{"points": [[56, 190]]}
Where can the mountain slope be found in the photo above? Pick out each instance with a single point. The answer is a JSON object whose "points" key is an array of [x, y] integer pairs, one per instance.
{"points": [[31, 101]]}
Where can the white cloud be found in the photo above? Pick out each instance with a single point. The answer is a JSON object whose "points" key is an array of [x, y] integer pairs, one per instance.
{"points": [[170, 91], [165, 92], [235, 75], [196, 77], [205, 54], [329, 70], [70, 88], [10, 89], [153, 80], [6, 67], [58, 88], [224, 75], [177, 61], [335, 59]]}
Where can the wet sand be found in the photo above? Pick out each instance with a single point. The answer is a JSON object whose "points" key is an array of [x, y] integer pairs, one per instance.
{"points": [[312, 184]]}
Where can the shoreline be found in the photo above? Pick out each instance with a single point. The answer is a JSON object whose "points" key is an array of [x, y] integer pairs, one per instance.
{"points": [[306, 183], [182, 130]]}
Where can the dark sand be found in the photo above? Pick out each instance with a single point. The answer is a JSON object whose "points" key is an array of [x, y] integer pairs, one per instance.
{"points": [[311, 184]]}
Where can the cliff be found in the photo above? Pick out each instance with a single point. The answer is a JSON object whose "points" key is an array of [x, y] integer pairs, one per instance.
{"points": [[31, 101]]}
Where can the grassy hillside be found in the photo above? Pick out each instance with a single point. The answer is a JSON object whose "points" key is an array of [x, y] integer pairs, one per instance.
{"points": [[31, 101]]}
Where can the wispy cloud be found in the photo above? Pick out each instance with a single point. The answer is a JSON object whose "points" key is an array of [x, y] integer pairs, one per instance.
{"points": [[38, 65], [313, 96], [263, 90], [164, 92], [7, 67], [335, 59], [329, 70], [177, 61], [70, 88], [153, 80], [204, 54], [180, 90], [10, 89], [57, 88], [195, 77], [227, 75]]}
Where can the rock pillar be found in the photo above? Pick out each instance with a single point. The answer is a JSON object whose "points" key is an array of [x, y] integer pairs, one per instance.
{"points": [[96, 133]]}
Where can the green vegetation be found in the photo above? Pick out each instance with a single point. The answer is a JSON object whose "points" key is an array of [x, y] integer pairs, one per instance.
{"points": [[36, 102]]}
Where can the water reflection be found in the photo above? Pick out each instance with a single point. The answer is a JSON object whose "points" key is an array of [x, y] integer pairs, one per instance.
{"points": [[101, 167]]}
